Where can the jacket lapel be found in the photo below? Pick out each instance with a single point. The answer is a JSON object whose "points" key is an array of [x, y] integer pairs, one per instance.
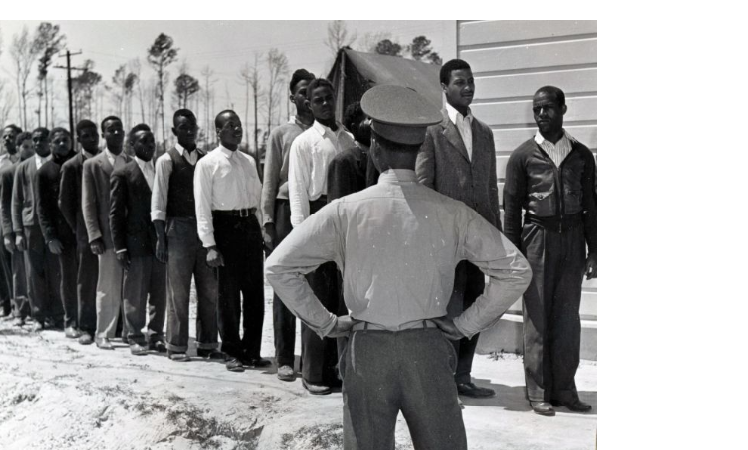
{"points": [[105, 165], [139, 178], [453, 136]]}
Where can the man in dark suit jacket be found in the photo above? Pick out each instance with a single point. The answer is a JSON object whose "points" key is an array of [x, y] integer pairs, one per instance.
{"points": [[95, 200], [57, 233], [17, 267], [69, 202], [458, 159], [134, 238], [42, 267]]}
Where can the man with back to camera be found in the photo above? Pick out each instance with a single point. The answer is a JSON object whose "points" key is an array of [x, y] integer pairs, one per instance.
{"points": [[348, 170]]}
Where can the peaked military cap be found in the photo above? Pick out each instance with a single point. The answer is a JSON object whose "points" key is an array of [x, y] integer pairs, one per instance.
{"points": [[399, 114]]}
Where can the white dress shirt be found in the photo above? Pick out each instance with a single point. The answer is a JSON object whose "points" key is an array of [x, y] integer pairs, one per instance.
{"points": [[147, 168], [164, 167], [224, 181], [40, 161], [464, 125], [7, 159], [116, 161], [308, 161], [557, 152]]}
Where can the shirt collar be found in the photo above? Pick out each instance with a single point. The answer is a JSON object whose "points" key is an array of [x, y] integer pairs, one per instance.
{"points": [[539, 139], [226, 152], [142, 163], [322, 129], [111, 155], [395, 176], [43, 158], [181, 150], [454, 114], [87, 154], [301, 124]]}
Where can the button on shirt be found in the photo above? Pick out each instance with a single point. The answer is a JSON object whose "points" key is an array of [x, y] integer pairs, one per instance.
{"points": [[164, 166], [464, 125], [147, 168], [397, 244], [224, 181], [309, 158], [557, 152]]}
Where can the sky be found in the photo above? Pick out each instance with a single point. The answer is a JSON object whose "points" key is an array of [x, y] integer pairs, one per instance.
{"points": [[224, 45]]}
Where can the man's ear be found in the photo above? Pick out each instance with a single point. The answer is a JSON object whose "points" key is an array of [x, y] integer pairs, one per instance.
{"points": [[563, 110]]}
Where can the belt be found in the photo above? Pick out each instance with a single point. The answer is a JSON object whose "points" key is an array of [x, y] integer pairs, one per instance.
{"points": [[415, 324], [557, 223], [235, 212]]}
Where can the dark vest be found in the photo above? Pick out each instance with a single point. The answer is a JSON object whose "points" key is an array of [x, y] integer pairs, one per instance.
{"points": [[181, 199]]}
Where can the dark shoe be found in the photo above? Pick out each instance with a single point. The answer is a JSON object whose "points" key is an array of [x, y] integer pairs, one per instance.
{"points": [[19, 322], [286, 373], [85, 339], [234, 365], [72, 333], [178, 357], [158, 346], [315, 389], [37, 326], [257, 363], [210, 353], [471, 390], [104, 344], [543, 408], [125, 340], [576, 405], [137, 349]]}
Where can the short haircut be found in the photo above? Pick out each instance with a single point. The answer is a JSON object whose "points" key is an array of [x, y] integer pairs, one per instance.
{"points": [[83, 124], [394, 146], [353, 115], [316, 83], [14, 127], [23, 136], [182, 113], [56, 130], [107, 119], [450, 66], [135, 129], [300, 75], [43, 130], [557, 93], [218, 116]]}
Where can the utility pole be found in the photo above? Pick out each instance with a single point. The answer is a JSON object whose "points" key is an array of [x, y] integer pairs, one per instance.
{"points": [[70, 90]]}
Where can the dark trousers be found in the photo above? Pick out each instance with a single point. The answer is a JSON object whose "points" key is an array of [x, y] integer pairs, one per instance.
{"points": [[468, 286], [410, 371], [88, 274], [14, 267], [320, 356], [144, 287], [68, 261], [42, 277], [240, 284], [551, 311], [284, 322], [187, 258], [6, 279]]}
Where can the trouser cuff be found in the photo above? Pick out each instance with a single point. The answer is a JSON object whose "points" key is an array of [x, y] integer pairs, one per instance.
{"points": [[206, 345], [176, 348]]}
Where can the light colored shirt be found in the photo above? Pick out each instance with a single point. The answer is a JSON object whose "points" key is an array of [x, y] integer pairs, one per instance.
{"points": [[148, 172], [397, 244], [164, 167], [224, 181], [308, 161], [40, 161], [464, 125], [275, 180], [116, 161], [7, 159], [557, 152]]}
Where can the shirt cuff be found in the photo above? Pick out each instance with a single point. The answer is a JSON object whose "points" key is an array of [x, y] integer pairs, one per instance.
{"points": [[121, 251], [296, 220], [208, 240], [158, 215], [458, 321]]}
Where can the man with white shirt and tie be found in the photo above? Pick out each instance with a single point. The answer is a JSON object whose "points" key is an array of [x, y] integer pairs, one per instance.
{"points": [[309, 160], [227, 196], [134, 238], [42, 267], [95, 201]]}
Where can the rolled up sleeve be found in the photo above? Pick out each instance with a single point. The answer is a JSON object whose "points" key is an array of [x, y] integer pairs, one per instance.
{"points": [[203, 189]]}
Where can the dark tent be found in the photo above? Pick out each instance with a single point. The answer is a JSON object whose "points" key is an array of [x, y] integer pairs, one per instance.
{"points": [[355, 72]]}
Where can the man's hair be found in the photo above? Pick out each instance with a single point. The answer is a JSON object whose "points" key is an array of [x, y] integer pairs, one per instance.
{"points": [[15, 128], [300, 75], [43, 130], [107, 119], [218, 116], [83, 124], [450, 66], [353, 115], [557, 93], [23, 136], [56, 130], [182, 113], [318, 82], [135, 129], [393, 146]]}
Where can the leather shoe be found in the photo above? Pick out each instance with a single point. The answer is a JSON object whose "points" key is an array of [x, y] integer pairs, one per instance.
{"points": [[37, 327], [104, 344], [471, 390], [315, 389], [137, 349], [543, 408], [85, 339], [158, 346], [234, 365], [19, 322], [257, 362], [178, 357], [286, 373], [72, 333], [210, 353], [575, 405]]}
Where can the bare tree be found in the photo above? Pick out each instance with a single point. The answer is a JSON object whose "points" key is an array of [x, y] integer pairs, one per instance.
{"points": [[47, 42], [118, 90], [368, 43], [277, 69], [250, 77], [207, 74], [85, 92], [337, 36], [6, 103], [135, 69], [23, 53], [160, 55]]}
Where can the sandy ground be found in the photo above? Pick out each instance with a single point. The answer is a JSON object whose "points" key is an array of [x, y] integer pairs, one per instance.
{"points": [[57, 394]]}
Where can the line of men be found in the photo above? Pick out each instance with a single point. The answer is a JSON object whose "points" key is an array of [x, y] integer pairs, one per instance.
{"points": [[197, 214]]}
